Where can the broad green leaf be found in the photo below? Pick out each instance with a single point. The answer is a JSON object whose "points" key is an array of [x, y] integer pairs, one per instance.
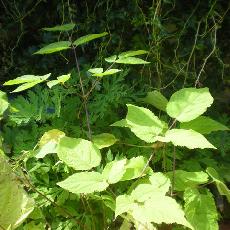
{"points": [[3, 103], [221, 186], [143, 123], [121, 123], [203, 125], [114, 171], [27, 79], [61, 79], [187, 138], [183, 179], [78, 153], [143, 192], [84, 182], [16, 205], [160, 209], [54, 47], [132, 53], [104, 140], [26, 86], [65, 27], [160, 182], [134, 168], [87, 38], [131, 61], [124, 203], [156, 99], [111, 58], [48, 142], [107, 72], [95, 70], [189, 103], [200, 209]]}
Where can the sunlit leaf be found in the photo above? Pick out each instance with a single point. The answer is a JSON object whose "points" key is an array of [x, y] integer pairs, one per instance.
{"points": [[187, 138], [27, 79], [87, 38], [124, 203], [78, 153], [104, 140], [84, 182], [48, 142], [200, 209], [131, 61], [65, 27], [183, 179], [143, 123], [3, 103], [132, 53], [221, 186], [189, 103], [61, 79], [54, 47], [156, 99], [107, 72], [203, 125], [114, 171], [16, 205]]}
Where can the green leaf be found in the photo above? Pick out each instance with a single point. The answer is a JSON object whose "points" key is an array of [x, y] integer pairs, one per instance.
{"points": [[61, 79], [111, 58], [107, 72], [114, 171], [87, 38], [132, 53], [54, 47], [156, 99], [124, 203], [25, 86], [3, 103], [104, 140], [189, 103], [78, 153], [203, 125], [221, 186], [134, 168], [121, 123], [160, 182], [65, 27], [160, 209], [48, 142], [143, 123], [84, 182], [27, 79], [200, 209], [95, 70], [131, 61], [188, 138], [183, 179], [16, 205]]}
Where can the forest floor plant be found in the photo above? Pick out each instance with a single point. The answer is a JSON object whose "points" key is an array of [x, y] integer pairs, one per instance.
{"points": [[91, 187]]}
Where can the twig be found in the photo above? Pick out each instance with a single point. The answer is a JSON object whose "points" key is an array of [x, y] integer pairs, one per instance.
{"points": [[206, 59], [83, 94]]}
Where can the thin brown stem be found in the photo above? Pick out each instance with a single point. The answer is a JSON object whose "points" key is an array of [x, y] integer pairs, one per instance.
{"points": [[83, 95]]}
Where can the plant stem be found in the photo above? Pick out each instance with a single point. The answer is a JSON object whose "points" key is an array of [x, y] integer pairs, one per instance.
{"points": [[83, 95]]}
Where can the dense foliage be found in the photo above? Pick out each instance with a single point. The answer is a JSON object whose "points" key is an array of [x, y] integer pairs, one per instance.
{"points": [[114, 115]]}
